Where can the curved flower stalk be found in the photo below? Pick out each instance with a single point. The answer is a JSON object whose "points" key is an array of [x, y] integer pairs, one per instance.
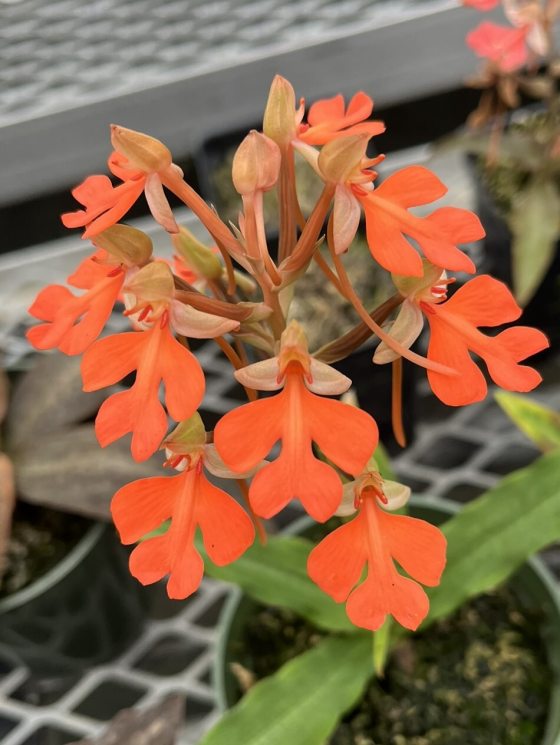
{"points": [[189, 501], [73, 322], [138, 161], [297, 416], [454, 334], [379, 539]]}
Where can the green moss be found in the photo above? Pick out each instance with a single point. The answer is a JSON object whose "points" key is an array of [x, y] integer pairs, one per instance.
{"points": [[478, 678]]}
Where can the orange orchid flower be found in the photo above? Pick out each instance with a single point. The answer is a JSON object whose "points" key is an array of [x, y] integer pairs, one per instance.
{"points": [[328, 119], [454, 334], [190, 501], [379, 539], [296, 416], [137, 161], [156, 356], [388, 221], [72, 323]]}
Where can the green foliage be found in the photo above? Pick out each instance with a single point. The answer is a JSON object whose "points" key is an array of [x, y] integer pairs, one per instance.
{"points": [[539, 423], [304, 700], [276, 574], [534, 221], [491, 537]]}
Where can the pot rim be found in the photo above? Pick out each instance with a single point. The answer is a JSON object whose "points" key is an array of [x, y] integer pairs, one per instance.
{"points": [[57, 573], [535, 565]]}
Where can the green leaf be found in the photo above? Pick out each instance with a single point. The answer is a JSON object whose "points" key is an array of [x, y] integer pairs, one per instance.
{"points": [[382, 639], [303, 702], [538, 422], [535, 224], [276, 574], [491, 537]]}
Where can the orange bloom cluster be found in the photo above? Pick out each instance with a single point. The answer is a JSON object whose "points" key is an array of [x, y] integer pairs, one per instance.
{"points": [[325, 446]]}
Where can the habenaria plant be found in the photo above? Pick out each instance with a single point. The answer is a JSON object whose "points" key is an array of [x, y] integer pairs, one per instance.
{"points": [[238, 294]]}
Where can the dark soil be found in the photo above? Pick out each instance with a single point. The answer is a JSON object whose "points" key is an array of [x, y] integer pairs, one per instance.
{"points": [[40, 539], [478, 678]]}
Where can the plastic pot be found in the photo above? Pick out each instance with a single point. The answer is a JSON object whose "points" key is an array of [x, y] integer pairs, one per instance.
{"points": [[82, 612], [533, 584]]}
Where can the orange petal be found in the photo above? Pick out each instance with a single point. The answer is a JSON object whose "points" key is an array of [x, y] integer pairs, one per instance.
{"points": [[326, 109], [113, 215], [142, 506], [126, 412], [417, 546], [227, 531], [91, 270], [48, 302], [484, 301], [347, 435], [337, 562], [182, 376], [411, 186], [111, 359], [509, 347], [387, 244], [149, 562], [370, 603], [449, 348], [244, 436], [186, 575], [296, 474]]}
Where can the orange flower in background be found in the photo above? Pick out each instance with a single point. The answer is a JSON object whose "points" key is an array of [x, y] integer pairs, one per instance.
{"points": [[379, 539], [297, 417], [328, 119], [73, 322], [454, 334], [190, 501], [506, 47], [136, 161]]}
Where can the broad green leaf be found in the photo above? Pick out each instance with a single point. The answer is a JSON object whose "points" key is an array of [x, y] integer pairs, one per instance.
{"points": [[535, 226], [276, 574], [538, 422], [303, 701], [491, 537]]}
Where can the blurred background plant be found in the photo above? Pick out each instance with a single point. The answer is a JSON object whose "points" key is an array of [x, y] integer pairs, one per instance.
{"points": [[516, 151]]}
